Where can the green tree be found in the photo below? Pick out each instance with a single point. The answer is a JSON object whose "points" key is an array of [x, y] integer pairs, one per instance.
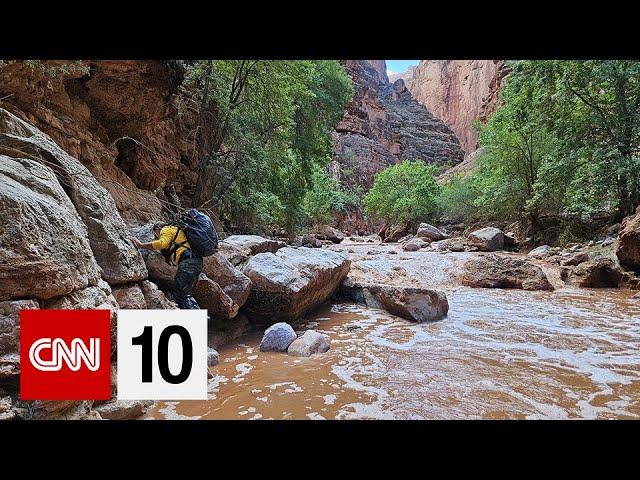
{"points": [[326, 198], [263, 125], [405, 192]]}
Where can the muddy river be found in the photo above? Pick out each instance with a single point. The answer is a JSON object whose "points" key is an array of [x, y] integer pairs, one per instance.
{"points": [[500, 354]]}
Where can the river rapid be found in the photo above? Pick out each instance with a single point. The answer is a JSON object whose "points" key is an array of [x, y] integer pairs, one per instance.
{"points": [[499, 354]]}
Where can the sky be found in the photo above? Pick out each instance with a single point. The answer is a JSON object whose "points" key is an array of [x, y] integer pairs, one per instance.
{"points": [[399, 66]]}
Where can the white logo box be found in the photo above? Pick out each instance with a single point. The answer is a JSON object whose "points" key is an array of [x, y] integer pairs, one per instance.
{"points": [[170, 379]]}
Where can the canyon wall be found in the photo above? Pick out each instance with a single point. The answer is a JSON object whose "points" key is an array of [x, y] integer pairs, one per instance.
{"points": [[458, 92], [384, 125], [126, 121]]}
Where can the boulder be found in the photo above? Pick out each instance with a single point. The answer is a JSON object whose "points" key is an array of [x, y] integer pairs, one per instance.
{"points": [[575, 259], [497, 271], [98, 297], [123, 409], [212, 297], [154, 298], [44, 248], [456, 244], [327, 232], [628, 245], [394, 233], [129, 297], [292, 281], [309, 343], [10, 334], [254, 243], [510, 240], [213, 358], [488, 239], [310, 241], [429, 233], [540, 251], [411, 303], [277, 338], [107, 232], [414, 245], [601, 272]]}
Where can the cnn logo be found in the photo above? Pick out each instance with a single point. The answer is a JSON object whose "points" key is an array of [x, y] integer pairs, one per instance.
{"points": [[64, 355]]}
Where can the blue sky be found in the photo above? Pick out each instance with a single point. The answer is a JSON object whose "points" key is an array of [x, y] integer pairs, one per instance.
{"points": [[399, 66]]}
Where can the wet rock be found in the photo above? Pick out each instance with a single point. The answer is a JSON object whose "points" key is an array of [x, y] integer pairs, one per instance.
{"points": [[450, 244], [311, 342], [628, 245], [601, 272], [290, 282], [540, 251], [494, 271], [123, 409], [429, 233], [10, 334], [412, 303], [212, 297], [488, 239], [107, 232], [575, 259], [154, 298], [213, 358], [414, 245], [44, 247], [277, 338], [129, 297]]}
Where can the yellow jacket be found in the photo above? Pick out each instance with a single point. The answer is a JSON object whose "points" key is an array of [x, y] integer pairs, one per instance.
{"points": [[167, 235]]}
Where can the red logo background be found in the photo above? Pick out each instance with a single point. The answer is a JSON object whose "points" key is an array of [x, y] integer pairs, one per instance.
{"points": [[64, 384]]}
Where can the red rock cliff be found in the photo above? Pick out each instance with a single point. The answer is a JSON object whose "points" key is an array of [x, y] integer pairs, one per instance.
{"points": [[458, 92]]}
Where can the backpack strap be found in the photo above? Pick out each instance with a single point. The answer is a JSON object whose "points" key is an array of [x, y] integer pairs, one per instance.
{"points": [[171, 251]]}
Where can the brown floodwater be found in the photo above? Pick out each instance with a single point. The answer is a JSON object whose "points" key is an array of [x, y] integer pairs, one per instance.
{"points": [[499, 354]]}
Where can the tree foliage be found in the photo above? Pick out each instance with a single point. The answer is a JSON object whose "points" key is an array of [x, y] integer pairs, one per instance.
{"points": [[405, 192], [264, 125]]}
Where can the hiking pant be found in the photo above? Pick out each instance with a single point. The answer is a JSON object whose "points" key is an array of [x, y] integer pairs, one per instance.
{"points": [[184, 282]]}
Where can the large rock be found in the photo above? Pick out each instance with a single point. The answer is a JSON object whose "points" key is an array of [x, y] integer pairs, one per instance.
{"points": [[290, 282], [539, 252], [487, 239], [601, 272], [497, 271], [309, 343], [211, 296], [429, 233], [107, 232], [456, 244], [129, 297], [414, 245], [411, 303], [123, 409], [277, 338], [628, 245], [10, 334], [154, 298], [575, 259], [327, 232], [238, 248], [44, 248]]}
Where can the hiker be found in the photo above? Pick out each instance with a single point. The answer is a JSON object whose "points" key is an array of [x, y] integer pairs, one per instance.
{"points": [[175, 243]]}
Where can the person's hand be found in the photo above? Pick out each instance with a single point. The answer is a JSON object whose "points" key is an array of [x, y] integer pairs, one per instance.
{"points": [[136, 242]]}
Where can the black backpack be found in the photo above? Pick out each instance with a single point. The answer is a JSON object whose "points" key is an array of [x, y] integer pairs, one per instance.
{"points": [[200, 232]]}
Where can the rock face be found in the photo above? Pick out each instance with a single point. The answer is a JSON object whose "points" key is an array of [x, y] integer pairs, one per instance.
{"points": [[411, 303], [628, 246], [290, 282], [498, 271], [125, 120], [458, 92], [384, 125], [106, 231], [487, 239], [10, 335], [277, 338], [311, 342]]}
